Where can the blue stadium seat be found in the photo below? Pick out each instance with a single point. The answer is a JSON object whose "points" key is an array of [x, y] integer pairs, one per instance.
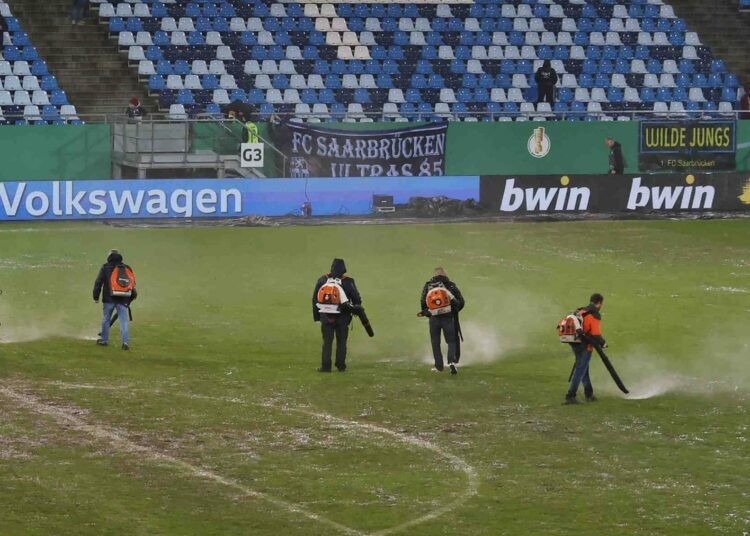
{"points": [[58, 97], [39, 68], [116, 25], [361, 96], [648, 95], [182, 67], [663, 94], [503, 80], [157, 83], [717, 66], [686, 66], [413, 96], [729, 95], [49, 84], [185, 96], [731, 81]]}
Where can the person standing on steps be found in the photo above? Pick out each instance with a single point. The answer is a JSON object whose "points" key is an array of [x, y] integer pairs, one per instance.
{"points": [[135, 110], [333, 299], [79, 7], [441, 302], [592, 331], [116, 286]]}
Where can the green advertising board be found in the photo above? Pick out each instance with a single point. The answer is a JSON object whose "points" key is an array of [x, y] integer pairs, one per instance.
{"points": [[44, 152], [80, 152], [538, 147]]}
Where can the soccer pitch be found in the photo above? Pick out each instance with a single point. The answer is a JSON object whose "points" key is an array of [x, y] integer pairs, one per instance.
{"points": [[217, 423]]}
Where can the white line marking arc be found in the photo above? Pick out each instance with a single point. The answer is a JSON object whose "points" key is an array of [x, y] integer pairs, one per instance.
{"points": [[120, 441], [472, 487]]}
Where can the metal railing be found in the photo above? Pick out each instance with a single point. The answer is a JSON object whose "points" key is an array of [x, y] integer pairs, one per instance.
{"points": [[633, 115], [204, 142], [609, 115]]}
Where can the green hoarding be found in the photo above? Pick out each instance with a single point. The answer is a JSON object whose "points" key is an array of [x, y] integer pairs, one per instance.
{"points": [[511, 147], [522, 148], [43, 152]]}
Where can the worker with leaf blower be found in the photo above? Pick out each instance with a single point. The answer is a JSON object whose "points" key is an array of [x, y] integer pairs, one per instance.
{"points": [[335, 299], [116, 286], [582, 329], [441, 302]]}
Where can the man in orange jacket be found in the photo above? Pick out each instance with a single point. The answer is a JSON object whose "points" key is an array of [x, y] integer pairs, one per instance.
{"points": [[592, 331]]}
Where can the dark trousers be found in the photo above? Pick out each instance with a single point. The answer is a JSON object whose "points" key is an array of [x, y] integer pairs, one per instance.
{"points": [[546, 94], [580, 372], [79, 6], [446, 325], [334, 326]]}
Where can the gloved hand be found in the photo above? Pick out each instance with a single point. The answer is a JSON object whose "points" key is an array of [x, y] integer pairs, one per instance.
{"points": [[426, 313]]}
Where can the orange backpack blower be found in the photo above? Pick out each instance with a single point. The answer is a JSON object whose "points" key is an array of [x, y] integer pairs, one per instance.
{"points": [[122, 281], [438, 299], [570, 328], [331, 297]]}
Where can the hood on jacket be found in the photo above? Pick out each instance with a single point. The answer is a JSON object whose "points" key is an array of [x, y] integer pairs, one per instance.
{"points": [[114, 257], [592, 310], [338, 268]]}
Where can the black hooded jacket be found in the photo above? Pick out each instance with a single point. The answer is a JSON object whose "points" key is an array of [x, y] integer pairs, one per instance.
{"points": [[546, 76], [102, 287], [616, 160], [338, 269], [458, 300]]}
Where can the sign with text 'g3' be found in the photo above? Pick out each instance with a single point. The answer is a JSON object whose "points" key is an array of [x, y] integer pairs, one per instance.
{"points": [[252, 155]]}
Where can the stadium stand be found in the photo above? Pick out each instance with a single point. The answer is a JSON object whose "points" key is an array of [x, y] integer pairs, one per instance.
{"points": [[407, 61], [29, 93], [85, 62], [429, 61]]}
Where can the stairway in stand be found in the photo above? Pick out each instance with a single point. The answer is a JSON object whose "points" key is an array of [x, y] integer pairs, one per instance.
{"points": [[85, 61], [721, 26]]}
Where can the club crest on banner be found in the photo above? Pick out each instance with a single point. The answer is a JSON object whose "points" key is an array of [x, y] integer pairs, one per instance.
{"points": [[298, 167]]}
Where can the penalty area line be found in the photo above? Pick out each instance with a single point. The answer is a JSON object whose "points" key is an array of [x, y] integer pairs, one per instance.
{"points": [[472, 476], [122, 443]]}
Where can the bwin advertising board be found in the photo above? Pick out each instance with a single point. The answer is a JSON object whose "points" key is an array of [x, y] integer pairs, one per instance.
{"points": [[615, 194]]}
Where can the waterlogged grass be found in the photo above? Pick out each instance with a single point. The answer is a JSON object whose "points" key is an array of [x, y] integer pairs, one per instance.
{"points": [[217, 423]]}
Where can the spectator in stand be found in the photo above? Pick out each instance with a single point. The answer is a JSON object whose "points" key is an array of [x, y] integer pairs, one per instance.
{"points": [[616, 160], [245, 114], [546, 80], [745, 104], [79, 6], [135, 110]]}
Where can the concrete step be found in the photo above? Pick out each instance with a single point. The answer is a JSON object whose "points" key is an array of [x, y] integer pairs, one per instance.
{"points": [[90, 63]]}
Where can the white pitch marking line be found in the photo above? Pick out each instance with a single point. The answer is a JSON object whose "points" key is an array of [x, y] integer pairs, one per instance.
{"points": [[470, 472], [120, 441]]}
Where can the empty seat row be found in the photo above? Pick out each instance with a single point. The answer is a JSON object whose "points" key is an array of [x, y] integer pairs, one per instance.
{"points": [[23, 97]]}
